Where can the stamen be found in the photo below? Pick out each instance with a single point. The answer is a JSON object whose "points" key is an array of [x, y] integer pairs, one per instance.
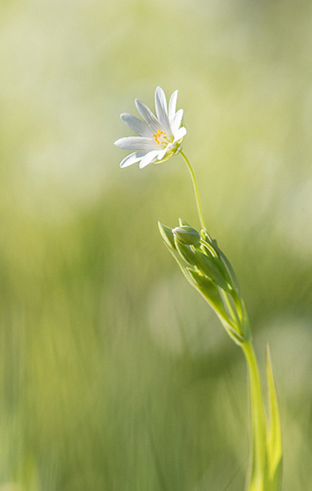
{"points": [[160, 137]]}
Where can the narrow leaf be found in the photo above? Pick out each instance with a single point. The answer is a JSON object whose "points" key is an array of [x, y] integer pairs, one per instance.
{"points": [[167, 235], [209, 267], [274, 437]]}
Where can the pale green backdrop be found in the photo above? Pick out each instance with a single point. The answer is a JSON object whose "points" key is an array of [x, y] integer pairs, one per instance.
{"points": [[114, 373]]}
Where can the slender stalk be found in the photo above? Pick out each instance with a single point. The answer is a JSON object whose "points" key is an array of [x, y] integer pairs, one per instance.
{"points": [[258, 463], [199, 209]]}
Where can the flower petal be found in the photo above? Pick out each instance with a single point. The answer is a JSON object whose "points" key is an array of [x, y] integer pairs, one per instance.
{"points": [[131, 159], [147, 159], [161, 135], [176, 122], [147, 115], [161, 109], [136, 124], [180, 134], [172, 105], [136, 143], [161, 154]]}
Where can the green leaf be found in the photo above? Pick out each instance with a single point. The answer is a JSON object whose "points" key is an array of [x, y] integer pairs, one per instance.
{"points": [[211, 293], [208, 265], [209, 290], [167, 235], [228, 265]]}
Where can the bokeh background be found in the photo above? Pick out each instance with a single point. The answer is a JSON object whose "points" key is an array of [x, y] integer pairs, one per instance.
{"points": [[114, 374]]}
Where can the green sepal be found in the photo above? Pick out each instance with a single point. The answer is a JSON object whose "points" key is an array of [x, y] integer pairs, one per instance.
{"points": [[205, 236], [185, 252], [182, 223], [207, 249], [167, 235]]}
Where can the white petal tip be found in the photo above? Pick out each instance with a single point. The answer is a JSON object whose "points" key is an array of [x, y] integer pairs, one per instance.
{"points": [[159, 90], [144, 165], [118, 142]]}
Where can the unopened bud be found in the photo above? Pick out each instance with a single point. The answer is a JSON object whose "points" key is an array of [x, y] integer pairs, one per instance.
{"points": [[186, 235]]}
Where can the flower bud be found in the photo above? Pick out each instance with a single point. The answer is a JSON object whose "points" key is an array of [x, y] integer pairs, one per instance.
{"points": [[186, 235]]}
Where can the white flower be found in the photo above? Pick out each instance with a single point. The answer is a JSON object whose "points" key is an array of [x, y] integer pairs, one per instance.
{"points": [[160, 137]]}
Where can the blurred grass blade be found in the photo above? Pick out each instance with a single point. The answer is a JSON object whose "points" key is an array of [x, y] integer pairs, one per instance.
{"points": [[258, 464], [266, 464], [274, 436], [230, 482]]}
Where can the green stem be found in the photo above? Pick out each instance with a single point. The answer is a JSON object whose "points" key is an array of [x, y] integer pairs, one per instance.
{"points": [[199, 209], [258, 463]]}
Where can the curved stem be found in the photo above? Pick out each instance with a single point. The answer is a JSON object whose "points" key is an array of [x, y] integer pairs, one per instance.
{"points": [[199, 209]]}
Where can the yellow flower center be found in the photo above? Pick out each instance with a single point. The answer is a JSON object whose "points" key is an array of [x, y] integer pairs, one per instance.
{"points": [[161, 138]]}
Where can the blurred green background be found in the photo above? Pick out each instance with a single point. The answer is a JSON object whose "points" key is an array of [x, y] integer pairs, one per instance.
{"points": [[114, 374]]}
